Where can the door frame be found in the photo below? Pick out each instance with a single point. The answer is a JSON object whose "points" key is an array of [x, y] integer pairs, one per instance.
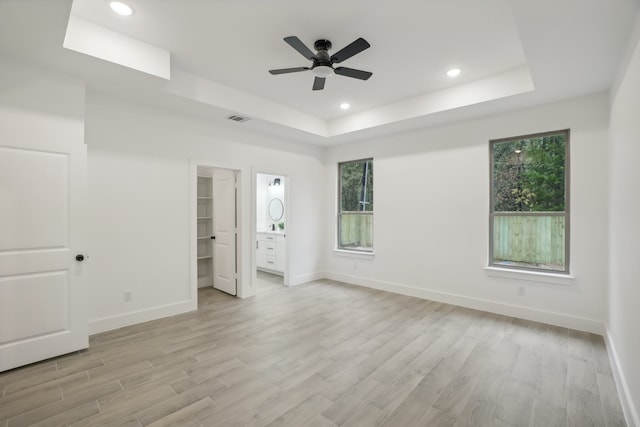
{"points": [[254, 221], [242, 291]]}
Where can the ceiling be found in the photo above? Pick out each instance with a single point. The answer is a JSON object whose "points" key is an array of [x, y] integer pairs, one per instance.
{"points": [[211, 58]]}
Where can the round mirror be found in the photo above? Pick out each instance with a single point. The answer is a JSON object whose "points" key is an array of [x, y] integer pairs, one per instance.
{"points": [[276, 209]]}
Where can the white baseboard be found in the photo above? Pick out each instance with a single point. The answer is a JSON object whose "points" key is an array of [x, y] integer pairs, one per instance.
{"points": [[536, 315], [305, 278], [105, 324], [630, 412]]}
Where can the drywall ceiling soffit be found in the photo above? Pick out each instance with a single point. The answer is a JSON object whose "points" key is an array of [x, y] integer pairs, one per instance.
{"points": [[215, 55]]}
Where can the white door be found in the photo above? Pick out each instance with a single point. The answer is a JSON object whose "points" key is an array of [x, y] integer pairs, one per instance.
{"points": [[42, 300], [224, 231]]}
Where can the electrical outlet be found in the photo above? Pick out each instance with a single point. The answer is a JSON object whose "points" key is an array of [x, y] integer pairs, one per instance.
{"points": [[127, 297], [522, 291]]}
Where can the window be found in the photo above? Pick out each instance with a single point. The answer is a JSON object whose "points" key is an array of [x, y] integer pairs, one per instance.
{"points": [[529, 219], [355, 205]]}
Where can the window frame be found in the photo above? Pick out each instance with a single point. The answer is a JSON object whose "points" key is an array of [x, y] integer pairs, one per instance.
{"points": [[340, 212], [567, 205]]}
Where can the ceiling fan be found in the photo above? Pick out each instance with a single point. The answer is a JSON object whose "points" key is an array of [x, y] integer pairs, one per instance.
{"points": [[322, 65]]}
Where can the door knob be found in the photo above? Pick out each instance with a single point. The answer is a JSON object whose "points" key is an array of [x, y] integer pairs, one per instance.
{"points": [[79, 257]]}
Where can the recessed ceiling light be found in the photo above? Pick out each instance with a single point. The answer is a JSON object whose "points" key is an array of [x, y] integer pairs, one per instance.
{"points": [[345, 106], [454, 72], [121, 8]]}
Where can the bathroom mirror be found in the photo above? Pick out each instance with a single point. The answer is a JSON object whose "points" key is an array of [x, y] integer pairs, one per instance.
{"points": [[276, 209]]}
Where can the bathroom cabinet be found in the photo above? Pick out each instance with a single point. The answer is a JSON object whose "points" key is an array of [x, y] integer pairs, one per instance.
{"points": [[271, 250]]}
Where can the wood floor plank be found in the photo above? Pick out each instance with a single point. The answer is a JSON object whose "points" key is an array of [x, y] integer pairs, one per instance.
{"points": [[584, 406], [365, 416], [45, 382], [303, 412], [67, 405], [545, 414], [324, 354], [434, 417], [514, 402], [601, 357], [552, 382], [613, 414], [319, 421], [186, 415], [286, 400], [352, 400], [44, 369], [172, 404], [119, 408], [70, 416], [392, 395], [21, 402], [200, 375], [412, 409]]}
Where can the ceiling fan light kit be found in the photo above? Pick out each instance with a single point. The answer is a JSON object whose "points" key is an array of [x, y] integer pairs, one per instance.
{"points": [[323, 71], [322, 63]]}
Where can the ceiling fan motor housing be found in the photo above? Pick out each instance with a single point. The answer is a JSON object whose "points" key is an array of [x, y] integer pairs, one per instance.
{"points": [[322, 58], [322, 44]]}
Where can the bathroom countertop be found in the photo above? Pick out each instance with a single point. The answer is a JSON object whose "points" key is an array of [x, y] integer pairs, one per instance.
{"points": [[272, 232]]}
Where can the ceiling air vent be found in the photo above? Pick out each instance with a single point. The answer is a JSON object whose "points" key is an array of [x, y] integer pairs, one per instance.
{"points": [[239, 119]]}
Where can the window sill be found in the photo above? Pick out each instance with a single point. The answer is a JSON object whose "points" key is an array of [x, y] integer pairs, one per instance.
{"points": [[531, 276], [353, 254]]}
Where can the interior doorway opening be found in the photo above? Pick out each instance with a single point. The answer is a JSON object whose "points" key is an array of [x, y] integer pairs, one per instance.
{"points": [[216, 232], [271, 231]]}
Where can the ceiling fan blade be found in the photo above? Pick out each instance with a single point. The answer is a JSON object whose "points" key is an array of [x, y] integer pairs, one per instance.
{"points": [[289, 70], [350, 72], [318, 83], [350, 50], [302, 49]]}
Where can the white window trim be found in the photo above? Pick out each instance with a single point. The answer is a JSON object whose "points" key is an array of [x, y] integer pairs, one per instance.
{"points": [[354, 254], [567, 215], [364, 254], [531, 276]]}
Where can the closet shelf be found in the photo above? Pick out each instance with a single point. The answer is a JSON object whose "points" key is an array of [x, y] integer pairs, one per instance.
{"points": [[204, 231]]}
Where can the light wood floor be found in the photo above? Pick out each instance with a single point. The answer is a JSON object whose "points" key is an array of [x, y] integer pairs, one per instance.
{"points": [[267, 282], [322, 354]]}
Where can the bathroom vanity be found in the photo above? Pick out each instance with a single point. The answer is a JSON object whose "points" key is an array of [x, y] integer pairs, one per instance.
{"points": [[271, 251]]}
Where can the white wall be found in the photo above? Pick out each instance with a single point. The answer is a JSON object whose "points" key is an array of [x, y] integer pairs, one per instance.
{"points": [[31, 107], [261, 201], [139, 172], [623, 321], [431, 203]]}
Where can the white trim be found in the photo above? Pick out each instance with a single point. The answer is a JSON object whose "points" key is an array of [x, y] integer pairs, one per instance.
{"points": [[531, 276], [353, 254], [305, 278], [629, 410], [527, 313], [109, 323], [243, 289]]}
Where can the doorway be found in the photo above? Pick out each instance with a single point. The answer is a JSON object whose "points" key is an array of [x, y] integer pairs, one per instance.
{"points": [[216, 236], [271, 232]]}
